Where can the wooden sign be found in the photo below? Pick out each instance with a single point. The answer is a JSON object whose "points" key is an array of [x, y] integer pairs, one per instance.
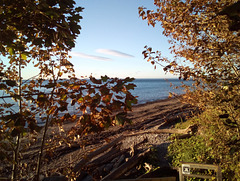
{"points": [[186, 171]]}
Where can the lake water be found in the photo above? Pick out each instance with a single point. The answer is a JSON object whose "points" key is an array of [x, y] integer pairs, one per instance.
{"points": [[147, 90]]}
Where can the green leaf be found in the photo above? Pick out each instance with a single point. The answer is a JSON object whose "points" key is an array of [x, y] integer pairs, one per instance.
{"points": [[85, 119], [121, 118], [38, 41], [24, 56], [80, 100], [64, 97], [11, 51]]}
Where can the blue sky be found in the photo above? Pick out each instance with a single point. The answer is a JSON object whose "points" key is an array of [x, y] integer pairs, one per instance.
{"points": [[112, 39]]}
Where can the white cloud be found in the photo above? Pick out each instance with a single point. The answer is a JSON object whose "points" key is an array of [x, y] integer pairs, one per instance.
{"points": [[83, 55], [114, 53]]}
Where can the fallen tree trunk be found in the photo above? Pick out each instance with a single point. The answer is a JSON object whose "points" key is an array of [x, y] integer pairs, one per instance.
{"points": [[189, 130]]}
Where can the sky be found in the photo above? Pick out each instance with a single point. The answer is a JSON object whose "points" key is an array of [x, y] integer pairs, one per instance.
{"points": [[112, 39]]}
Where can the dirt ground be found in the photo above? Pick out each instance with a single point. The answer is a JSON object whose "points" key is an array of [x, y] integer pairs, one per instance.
{"points": [[145, 118]]}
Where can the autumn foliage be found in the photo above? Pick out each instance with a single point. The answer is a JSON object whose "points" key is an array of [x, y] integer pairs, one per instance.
{"points": [[41, 33], [204, 41]]}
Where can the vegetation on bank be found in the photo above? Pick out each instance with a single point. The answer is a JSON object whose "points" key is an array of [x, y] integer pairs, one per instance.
{"points": [[216, 142], [204, 37]]}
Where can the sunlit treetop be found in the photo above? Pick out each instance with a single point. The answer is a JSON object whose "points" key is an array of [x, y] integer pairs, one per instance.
{"points": [[38, 23], [199, 36]]}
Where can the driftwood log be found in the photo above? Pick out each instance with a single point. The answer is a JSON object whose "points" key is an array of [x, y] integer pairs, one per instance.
{"points": [[189, 130], [111, 154], [133, 161], [83, 162], [114, 153]]}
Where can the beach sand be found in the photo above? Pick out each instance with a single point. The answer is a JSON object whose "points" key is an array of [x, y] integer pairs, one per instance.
{"points": [[145, 117]]}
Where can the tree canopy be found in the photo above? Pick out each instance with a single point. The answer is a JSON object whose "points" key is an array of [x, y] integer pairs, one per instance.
{"points": [[42, 32], [41, 23], [205, 42], [204, 48]]}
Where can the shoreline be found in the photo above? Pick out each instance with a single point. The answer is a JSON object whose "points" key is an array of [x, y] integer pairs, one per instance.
{"points": [[136, 109], [142, 104], [150, 116], [159, 100]]}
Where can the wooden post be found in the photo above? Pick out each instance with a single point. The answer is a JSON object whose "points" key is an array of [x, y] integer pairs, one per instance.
{"points": [[219, 174], [181, 177]]}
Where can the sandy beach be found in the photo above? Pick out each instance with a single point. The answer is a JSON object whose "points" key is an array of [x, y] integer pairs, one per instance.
{"points": [[145, 118]]}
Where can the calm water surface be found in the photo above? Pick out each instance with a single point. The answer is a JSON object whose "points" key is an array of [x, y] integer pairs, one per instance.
{"points": [[147, 90]]}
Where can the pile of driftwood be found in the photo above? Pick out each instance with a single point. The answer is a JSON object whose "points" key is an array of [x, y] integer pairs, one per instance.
{"points": [[111, 162]]}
